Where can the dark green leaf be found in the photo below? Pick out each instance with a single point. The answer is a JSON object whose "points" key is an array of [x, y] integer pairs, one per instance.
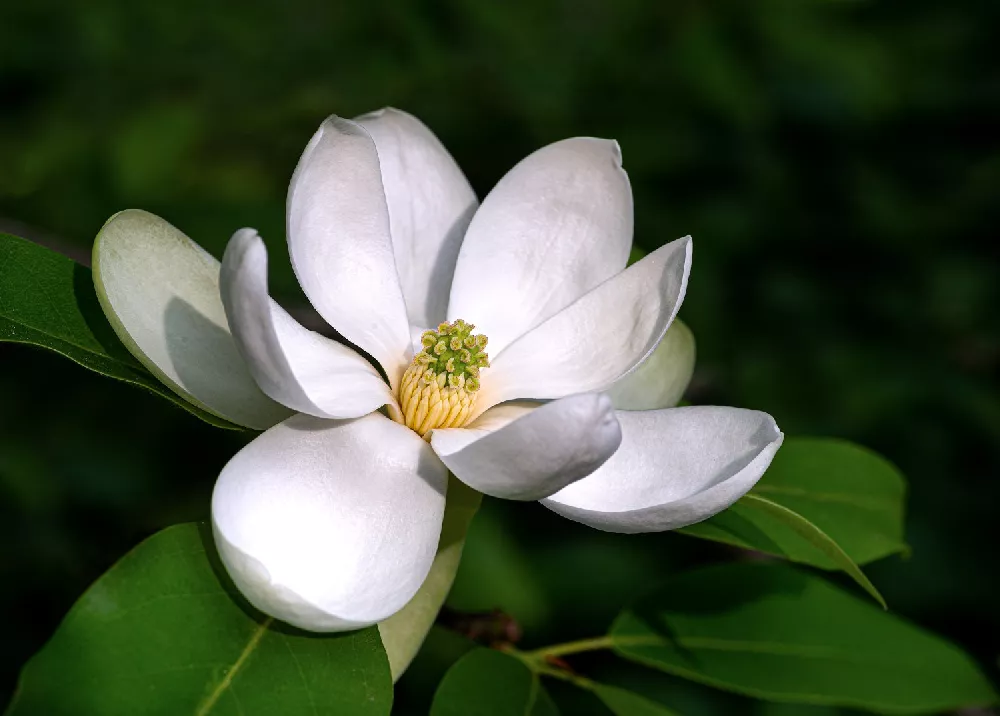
{"points": [[161, 634], [627, 703], [439, 652], [849, 493], [48, 300], [485, 682], [769, 631]]}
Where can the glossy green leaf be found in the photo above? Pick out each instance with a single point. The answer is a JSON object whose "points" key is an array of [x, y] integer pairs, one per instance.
{"points": [[162, 634], [626, 703], [849, 493], [48, 300], [772, 632], [814, 536], [486, 682]]}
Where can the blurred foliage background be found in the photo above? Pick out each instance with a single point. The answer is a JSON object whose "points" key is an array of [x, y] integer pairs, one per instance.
{"points": [[837, 162]]}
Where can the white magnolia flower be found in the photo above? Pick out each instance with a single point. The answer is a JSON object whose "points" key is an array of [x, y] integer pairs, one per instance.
{"points": [[330, 519]]}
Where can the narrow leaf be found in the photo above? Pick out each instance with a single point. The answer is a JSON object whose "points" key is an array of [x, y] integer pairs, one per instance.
{"points": [[161, 634], [48, 300], [816, 537], [848, 492], [772, 632]]}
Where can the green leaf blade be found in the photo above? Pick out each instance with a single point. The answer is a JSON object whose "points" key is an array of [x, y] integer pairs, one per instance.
{"points": [[49, 301], [486, 682], [850, 494], [626, 703], [771, 632], [816, 537], [160, 634]]}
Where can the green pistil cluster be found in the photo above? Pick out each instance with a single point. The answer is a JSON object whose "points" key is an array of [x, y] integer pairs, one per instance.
{"points": [[453, 351]]}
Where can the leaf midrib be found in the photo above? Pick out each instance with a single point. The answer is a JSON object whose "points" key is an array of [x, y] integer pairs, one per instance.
{"points": [[209, 703], [766, 648], [69, 342], [875, 503]]}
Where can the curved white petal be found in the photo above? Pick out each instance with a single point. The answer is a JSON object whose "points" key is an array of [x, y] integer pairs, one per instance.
{"points": [[674, 468], [538, 452], [160, 291], [430, 206], [330, 525], [297, 367], [599, 338], [557, 225], [660, 380], [338, 241]]}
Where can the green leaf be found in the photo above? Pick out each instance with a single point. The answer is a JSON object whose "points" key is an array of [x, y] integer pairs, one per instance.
{"points": [[769, 631], [439, 652], [48, 300], [627, 703], [161, 634], [816, 537], [485, 682], [847, 492]]}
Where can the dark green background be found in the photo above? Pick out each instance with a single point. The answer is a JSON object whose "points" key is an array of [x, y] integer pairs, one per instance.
{"points": [[837, 162]]}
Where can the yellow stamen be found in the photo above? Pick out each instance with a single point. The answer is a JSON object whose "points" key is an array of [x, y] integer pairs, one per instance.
{"points": [[439, 388]]}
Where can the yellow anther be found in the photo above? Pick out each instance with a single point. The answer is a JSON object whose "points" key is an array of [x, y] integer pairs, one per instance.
{"points": [[438, 389]]}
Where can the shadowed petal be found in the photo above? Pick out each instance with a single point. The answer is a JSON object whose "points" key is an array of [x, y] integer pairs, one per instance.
{"points": [[524, 452], [660, 380], [339, 243], [297, 367], [599, 338], [557, 225], [160, 291], [430, 206]]}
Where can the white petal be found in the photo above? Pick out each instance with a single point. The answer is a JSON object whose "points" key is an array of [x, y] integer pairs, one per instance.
{"points": [[557, 225], [297, 367], [404, 632], [538, 452], [660, 380], [330, 525], [160, 291], [430, 206], [675, 467], [597, 339], [338, 240]]}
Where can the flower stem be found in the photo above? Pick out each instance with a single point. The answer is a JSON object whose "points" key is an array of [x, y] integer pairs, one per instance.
{"points": [[571, 647], [575, 679]]}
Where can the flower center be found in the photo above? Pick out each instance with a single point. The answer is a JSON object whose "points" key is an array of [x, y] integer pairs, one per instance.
{"points": [[439, 387]]}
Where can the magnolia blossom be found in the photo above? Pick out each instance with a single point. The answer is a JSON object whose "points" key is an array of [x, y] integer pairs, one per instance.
{"points": [[516, 351]]}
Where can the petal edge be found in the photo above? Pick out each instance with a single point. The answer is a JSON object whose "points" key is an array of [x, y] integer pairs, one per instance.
{"points": [[330, 525], [293, 365], [675, 467], [160, 291]]}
